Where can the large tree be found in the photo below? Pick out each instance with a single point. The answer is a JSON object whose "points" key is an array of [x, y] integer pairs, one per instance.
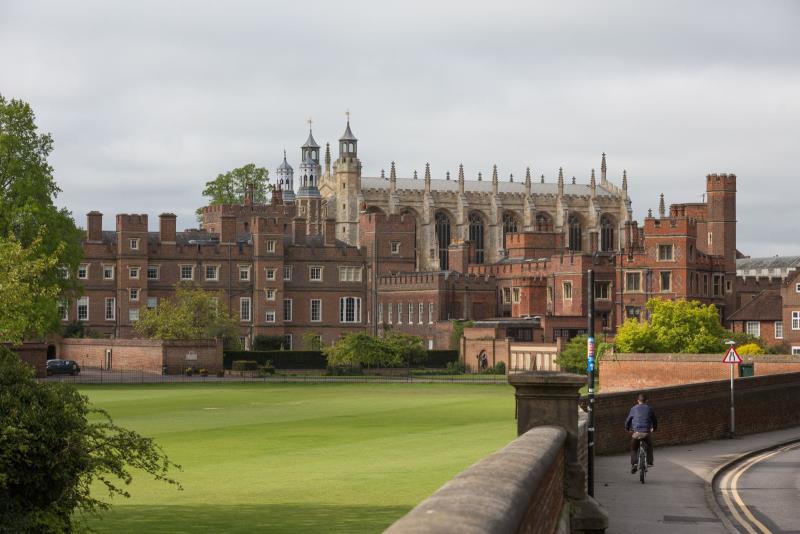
{"points": [[231, 187], [28, 214], [192, 313], [360, 349], [54, 448]]}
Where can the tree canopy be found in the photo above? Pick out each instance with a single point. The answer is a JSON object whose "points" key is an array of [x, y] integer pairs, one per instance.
{"points": [[28, 214], [574, 357], [54, 448], [360, 349], [231, 187], [674, 326], [192, 313]]}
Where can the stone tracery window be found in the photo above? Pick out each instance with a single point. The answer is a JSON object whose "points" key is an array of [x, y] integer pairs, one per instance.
{"points": [[574, 225], [443, 238], [510, 225], [606, 234], [476, 236], [543, 223]]}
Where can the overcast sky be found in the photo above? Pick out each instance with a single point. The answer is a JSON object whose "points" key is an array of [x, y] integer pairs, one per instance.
{"points": [[149, 100]]}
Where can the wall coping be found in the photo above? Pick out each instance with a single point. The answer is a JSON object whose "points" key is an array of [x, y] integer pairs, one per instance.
{"points": [[491, 496], [122, 342], [682, 357]]}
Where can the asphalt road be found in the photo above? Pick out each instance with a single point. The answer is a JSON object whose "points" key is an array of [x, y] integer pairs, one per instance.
{"points": [[762, 494]]}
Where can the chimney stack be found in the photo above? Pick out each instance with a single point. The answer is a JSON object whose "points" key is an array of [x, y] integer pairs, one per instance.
{"points": [[299, 227], [330, 231], [227, 229], [167, 228], [94, 227]]}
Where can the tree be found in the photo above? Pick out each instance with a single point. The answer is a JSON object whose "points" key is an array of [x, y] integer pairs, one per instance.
{"points": [[404, 349], [192, 313], [574, 357], [231, 187], [360, 349], [674, 326], [51, 454], [26, 301], [312, 340], [27, 209], [458, 331]]}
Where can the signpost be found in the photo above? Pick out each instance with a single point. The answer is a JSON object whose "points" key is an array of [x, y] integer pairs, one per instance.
{"points": [[590, 353], [732, 358]]}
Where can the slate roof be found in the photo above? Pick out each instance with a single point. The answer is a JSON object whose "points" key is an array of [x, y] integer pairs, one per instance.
{"points": [[766, 306], [370, 182], [773, 262]]}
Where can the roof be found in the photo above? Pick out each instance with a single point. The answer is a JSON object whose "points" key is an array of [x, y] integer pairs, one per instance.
{"points": [[773, 262], [348, 134], [310, 143], [484, 186], [766, 306], [285, 165]]}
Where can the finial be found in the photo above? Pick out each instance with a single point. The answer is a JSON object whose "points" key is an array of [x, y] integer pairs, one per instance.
{"points": [[427, 172], [649, 213], [528, 175], [603, 177], [310, 122], [383, 174], [415, 174], [592, 182], [284, 154], [511, 177], [542, 180], [480, 176], [561, 176], [392, 173], [460, 172], [624, 180], [494, 174], [447, 175], [347, 114], [573, 180], [662, 211]]}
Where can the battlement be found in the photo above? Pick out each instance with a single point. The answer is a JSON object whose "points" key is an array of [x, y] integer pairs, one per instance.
{"points": [[721, 182], [132, 222], [670, 226], [402, 222]]}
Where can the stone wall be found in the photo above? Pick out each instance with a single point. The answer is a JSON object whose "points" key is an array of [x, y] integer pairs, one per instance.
{"points": [[697, 412], [625, 372], [518, 489], [146, 355]]}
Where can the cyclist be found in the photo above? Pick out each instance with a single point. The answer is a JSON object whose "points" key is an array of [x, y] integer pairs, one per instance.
{"points": [[642, 422]]}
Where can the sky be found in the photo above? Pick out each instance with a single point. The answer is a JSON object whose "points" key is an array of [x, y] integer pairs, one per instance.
{"points": [[147, 101]]}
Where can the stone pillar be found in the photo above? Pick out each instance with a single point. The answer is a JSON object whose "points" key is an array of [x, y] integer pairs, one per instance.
{"points": [[551, 398]]}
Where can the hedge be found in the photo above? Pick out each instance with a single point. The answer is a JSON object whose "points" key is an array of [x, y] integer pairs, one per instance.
{"points": [[281, 359], [438, 359]]}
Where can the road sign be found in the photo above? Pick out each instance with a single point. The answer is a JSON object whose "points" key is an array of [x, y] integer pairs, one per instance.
{"points": [[732, 356]]}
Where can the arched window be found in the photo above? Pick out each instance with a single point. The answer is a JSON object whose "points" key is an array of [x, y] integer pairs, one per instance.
{"points": [[574, 225], [510, 225], [543, 223], [443, 238], [606, 234], [476, 236]]}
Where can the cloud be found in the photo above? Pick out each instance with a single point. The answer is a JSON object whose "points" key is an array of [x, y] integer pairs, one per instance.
{"points": [[148, 100]]}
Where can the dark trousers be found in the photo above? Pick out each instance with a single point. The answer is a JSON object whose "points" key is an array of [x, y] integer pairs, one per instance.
{"points": [[635, 449]]}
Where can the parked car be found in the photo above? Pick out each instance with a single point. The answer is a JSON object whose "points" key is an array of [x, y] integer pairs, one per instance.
{"points": [[63, 367]]}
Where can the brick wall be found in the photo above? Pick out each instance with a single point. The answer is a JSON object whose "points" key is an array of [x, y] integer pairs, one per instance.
{"points": [[626, 372], [544, 508], [698, 412], [143, 354], [33, 354]]}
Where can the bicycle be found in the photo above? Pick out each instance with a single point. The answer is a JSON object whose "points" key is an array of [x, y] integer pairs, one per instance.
{"points": [[642, 462]]}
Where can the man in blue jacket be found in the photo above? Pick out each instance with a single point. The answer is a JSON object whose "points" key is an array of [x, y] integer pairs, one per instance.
{"points": [[642, 422]]}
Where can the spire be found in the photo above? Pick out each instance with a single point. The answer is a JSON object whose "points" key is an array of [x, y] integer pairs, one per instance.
{"points": [[427, 177], [383, 174], [348, 144], [511, 177], [447, 175], [573, 180], [415, 174], [494, 179], [392, 178], [649, 213], [593, 184], [528, 180], [542, 180], [603, 178], [461, 177], [480, 176], [625, 181], [327, 158], [560, 181], [662, 211]]}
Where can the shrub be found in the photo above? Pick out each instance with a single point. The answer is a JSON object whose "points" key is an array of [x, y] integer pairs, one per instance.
{"points": [[203, 372], [456, 368], [189, 371], [263, 342], [780, 348], [266, 370], [500, 367], [221, 373], [440, 358], [750, 349], [281, 359], [342, 370], [245, 365]]}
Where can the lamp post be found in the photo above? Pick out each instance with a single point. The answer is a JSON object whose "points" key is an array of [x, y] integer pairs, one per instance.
{"points": [[731, 344]]}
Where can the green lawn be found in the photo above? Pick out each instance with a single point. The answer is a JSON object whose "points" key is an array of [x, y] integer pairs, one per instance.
{"points": [[300, 458]]}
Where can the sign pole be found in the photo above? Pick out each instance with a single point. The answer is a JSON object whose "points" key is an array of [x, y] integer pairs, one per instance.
{"points": [[590, 353], [733, 409], [732, 358]]}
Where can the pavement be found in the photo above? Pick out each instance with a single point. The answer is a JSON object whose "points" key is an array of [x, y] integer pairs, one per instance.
{"points": [[673, 500]]}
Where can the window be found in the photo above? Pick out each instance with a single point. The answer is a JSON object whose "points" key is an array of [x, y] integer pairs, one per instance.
{"points": [[133, 294], [212, 273], [574, 233], [271, 246], [133, 273], [633, 312], [287, 272], [430, 313], [606, 234], [287, 342], [410, 313], [710, 238], [665, 252], [797, 288], [666, 280], [152, 303], [287, 309], [63, 272], [389, 307], [133, 315], [476, 237], [83, 271], [316, 310], [515, 292], [134, 244], [795, 351], [245, 307], [111, 308], [395, 247], [753, 328], [633, 281], [506, 295], [349, 274], [778, 329], [350, 310], [728, 286], [567, 290], [244, 273], [399, 313], [271, 293], [315, 273], [314, 343], [270, 316], [602, 290], [152, 272], [421, 312], [442, 224], [716, 283], [63, 311], [187, 272], [705, 284], [108, 272], [270, 274], [796, 320], [380, 312]]}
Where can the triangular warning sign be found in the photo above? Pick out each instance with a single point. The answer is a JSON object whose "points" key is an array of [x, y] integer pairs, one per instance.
{"points": [[732, 356]]}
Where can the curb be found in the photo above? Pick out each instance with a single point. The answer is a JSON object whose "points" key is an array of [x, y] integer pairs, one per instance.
{"points": [[711, 498]]}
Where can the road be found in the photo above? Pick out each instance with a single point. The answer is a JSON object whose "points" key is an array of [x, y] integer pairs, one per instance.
{"points": [[677, 497], [761, 494]]}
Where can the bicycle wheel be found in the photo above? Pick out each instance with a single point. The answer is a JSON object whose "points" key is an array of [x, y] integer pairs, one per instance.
{"points": [[642, 462]]}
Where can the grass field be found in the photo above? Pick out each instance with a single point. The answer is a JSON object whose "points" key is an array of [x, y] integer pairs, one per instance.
{"points": [[300, 458]]}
